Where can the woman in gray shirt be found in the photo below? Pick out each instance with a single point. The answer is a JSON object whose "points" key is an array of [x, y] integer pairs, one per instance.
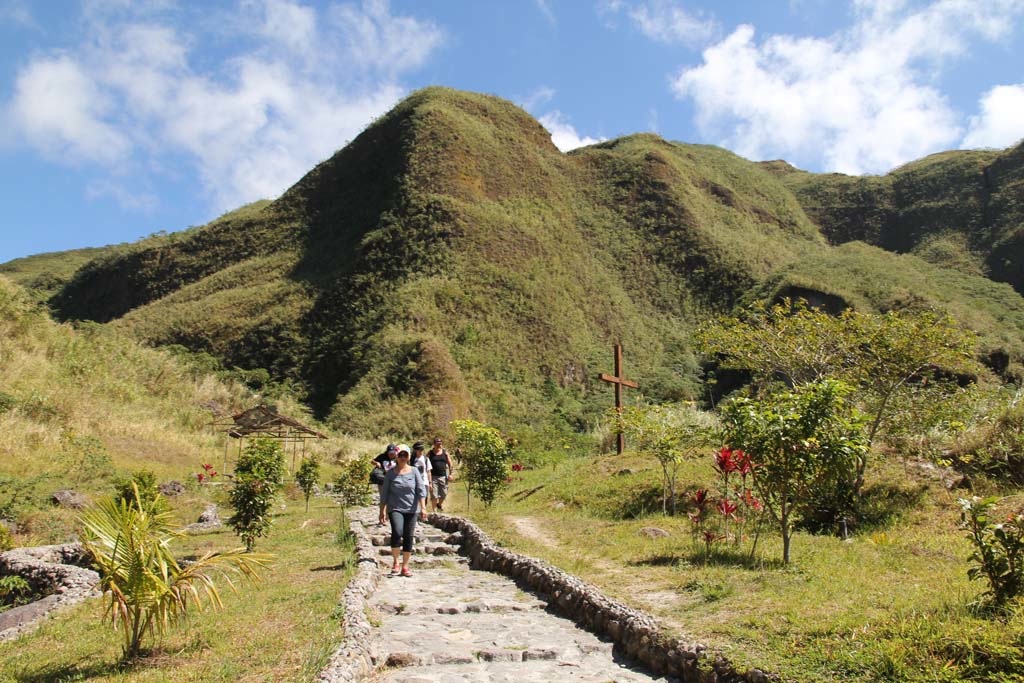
{"points": [[402, 495]]}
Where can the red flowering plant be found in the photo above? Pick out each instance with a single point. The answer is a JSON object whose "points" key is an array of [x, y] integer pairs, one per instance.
{"points": [[208, 473]]}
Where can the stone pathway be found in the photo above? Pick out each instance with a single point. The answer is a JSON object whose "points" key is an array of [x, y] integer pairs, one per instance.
{"points": [[448, 624]]}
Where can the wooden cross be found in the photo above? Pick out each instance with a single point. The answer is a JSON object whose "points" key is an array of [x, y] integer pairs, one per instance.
{"points": [[618, 380]]}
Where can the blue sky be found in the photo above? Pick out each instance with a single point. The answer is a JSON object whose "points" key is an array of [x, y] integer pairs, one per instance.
{"points": [[121, 118]]}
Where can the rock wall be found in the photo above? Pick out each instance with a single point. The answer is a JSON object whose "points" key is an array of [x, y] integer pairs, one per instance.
{"points": [[55, 569], [351, 660]]}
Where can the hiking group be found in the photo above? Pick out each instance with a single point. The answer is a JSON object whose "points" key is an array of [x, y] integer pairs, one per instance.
{"points": [[410, 477]]}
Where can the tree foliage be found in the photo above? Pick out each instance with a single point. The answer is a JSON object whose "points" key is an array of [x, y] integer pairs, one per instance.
{"points": [[486, 458], [307, 476], [666, 434], [259, 475], [897, 362], [798, 441], [145, 589]]}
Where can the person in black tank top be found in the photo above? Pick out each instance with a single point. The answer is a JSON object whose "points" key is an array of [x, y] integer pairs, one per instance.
{"points": [[442, 472]]}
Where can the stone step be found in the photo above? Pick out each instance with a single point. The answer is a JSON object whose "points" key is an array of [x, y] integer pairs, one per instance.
{"points": [[426, 549], [451, 606], [590, 670], [425, 561]]}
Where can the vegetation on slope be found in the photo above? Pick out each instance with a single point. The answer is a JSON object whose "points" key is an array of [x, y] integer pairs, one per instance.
{"points": [[451, 262], [962, 210]]}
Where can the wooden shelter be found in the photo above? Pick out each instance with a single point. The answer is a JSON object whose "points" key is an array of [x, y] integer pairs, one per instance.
{"points": [[265, 421]]}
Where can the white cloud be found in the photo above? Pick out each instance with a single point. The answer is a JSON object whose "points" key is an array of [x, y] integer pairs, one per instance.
{"points": [[545, 9], [860, 101], [18, 13], [62, 111], [139, 93], [537, 98], [666, 21], [378, 40], [1001, 121], [563, 134]]}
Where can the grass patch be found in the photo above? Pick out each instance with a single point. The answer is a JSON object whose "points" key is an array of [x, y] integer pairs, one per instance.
{"points": [[282, 630], [892, 603]]}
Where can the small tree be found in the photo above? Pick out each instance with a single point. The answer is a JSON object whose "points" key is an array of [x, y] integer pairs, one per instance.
{"points": [[352, 485], [307, 476], [797, 441], [145, 588], [486, 458], [258, 477], [667, 435], [897, 361]]}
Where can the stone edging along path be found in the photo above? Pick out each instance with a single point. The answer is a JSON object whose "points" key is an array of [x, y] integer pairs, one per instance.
{"points": [[57, 569], [634, 631]]}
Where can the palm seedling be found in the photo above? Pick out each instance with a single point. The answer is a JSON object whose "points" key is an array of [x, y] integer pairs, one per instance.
{"points": [[145, 589]]}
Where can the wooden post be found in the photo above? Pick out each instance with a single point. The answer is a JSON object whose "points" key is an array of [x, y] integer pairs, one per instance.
{"points": [[619, 381]]}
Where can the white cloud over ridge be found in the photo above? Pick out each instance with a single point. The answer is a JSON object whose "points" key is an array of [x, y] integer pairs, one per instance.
{"points": [[299, 85], [563, 134], [1001, 121], [863, 101]]}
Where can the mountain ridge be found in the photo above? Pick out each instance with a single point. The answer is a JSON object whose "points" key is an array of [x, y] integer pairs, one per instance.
{"points": [[451, 261]]}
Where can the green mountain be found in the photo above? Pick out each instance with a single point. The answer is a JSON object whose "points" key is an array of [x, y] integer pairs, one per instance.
{"points": [[451, 261], [963, 210]]}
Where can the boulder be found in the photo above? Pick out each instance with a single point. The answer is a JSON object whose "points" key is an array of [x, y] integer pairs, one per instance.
{"points": [[171, 488], [68, 498], [653, 532]]}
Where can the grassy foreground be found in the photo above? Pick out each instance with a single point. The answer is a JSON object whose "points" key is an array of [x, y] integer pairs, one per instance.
{"points": [[283, 629], [892, 603]]}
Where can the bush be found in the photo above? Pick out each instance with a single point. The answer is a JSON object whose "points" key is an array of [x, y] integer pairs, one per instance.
{"points": [[6, 540], [141, 483], [259, 475], [307, 476], [144, 586], [486, 458], [998, 554], [352, 484]]}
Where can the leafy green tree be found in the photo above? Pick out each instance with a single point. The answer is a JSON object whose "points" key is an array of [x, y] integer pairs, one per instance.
{"points": [[668, 435], [899, 361], [797, 441], [486, 458], [259, 475], [307, 476], [352, 484], [144, 587]]}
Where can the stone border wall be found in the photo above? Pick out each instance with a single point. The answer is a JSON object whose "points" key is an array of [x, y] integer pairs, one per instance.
{"points": [[636, 632], [57, 569], [351, 660]]}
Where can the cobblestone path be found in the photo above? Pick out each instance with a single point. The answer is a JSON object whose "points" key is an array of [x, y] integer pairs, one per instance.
{"points": [[448, 624]]}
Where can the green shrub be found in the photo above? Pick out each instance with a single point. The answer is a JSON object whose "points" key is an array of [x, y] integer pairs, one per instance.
{"points": [[307, 476], [353, 482], [259, 475], [144, 587], [141, 483], [998, 554], [6, 540], [486, 458]]}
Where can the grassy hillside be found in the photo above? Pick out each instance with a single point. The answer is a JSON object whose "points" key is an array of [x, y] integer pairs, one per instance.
{"points": [[450, 261], [80, 408], [960, 209], [45, 274]]}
